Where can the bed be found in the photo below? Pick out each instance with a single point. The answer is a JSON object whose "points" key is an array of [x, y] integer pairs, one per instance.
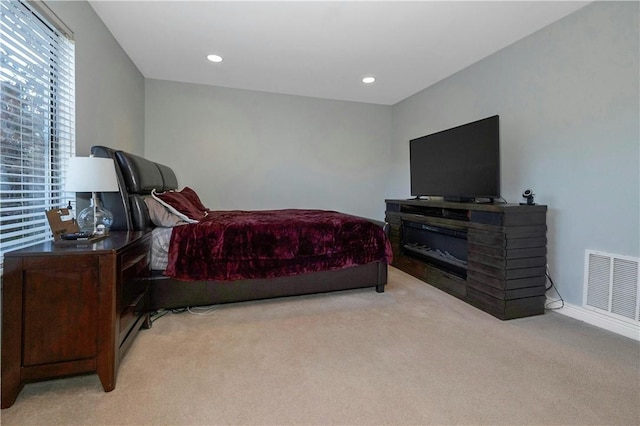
{"points": [[251, 270]]}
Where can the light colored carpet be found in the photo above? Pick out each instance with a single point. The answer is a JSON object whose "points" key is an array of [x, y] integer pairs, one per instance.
{"points": [[413, 355]]}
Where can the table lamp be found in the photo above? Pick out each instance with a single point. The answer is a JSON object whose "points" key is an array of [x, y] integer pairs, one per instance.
{"points": [[93, 174]]}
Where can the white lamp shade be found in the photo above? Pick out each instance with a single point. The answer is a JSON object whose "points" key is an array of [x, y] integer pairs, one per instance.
{"points": [[91, 174]]}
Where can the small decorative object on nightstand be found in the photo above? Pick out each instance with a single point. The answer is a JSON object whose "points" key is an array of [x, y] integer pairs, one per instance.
{"points": [[93, 174]]}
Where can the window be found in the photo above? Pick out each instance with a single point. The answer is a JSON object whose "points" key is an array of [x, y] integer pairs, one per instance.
{"points": [[37, 124]]}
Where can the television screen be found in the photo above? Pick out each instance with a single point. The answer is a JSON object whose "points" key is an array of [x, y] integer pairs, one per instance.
{"points": [[459, 164]]}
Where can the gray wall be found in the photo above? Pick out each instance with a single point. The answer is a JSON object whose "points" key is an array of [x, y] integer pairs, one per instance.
{"points": [[109, 87], [242, 149], [567, 97], [568, 100]]}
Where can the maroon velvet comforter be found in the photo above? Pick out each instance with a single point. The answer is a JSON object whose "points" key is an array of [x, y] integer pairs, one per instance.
{"points": [[232, 245]]}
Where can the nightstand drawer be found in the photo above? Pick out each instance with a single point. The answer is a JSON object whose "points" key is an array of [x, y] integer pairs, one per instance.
{"points": [[134, 280], [134, 263], [134, 273], [130, 314]]}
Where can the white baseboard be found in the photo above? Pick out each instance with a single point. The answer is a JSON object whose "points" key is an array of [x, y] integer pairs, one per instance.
{"points": [[614, 325]]}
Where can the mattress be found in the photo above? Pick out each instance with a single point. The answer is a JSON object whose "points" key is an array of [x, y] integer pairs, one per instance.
{"points": [[160, 239]]}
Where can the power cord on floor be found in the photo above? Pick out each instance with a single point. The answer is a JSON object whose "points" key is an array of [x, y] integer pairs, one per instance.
{"points": [[193, 310], [202, 310], [553, 287], [156, 315]]}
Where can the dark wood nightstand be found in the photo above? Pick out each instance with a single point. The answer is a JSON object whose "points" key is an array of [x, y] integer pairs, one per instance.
{"points": [[72, 308]]}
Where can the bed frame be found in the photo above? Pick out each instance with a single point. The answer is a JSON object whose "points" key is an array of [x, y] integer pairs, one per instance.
{"points": [[138, 176]]}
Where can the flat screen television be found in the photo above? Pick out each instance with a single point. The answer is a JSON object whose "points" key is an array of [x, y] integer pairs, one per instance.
{"points": [[459, 164]]}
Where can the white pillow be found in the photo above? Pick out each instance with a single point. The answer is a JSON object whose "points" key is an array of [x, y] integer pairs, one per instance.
{"points": [[161, 216]]}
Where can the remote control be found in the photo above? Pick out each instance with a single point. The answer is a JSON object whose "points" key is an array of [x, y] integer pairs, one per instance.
{"points": [[76, 236]]}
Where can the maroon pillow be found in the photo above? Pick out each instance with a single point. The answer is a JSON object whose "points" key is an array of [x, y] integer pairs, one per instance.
{"points": [[185, 203]]}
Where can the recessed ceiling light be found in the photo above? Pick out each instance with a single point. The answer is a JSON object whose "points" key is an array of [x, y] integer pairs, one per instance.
{"points": [[368, 80], [214, 58]]}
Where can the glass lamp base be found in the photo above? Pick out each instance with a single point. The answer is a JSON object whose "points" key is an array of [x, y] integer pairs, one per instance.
{"points": [[103, 220]]}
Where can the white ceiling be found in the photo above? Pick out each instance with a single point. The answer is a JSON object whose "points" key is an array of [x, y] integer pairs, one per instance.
{"points": [[320, 49]]}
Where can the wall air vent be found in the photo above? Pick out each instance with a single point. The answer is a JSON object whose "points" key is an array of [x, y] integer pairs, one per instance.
{"points": [[611, 285]]}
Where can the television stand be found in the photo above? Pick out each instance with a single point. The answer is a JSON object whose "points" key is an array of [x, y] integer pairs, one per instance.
{"points": [[492, 256]]}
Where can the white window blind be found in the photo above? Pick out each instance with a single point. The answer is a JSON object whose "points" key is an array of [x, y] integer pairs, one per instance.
{"points": [[37, 121]]}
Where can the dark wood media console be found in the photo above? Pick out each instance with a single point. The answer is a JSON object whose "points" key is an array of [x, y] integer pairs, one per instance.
{"points": [[493, 256]]}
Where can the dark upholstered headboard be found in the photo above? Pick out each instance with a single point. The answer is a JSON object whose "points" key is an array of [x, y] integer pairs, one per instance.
{"points": [[137, 176]]}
